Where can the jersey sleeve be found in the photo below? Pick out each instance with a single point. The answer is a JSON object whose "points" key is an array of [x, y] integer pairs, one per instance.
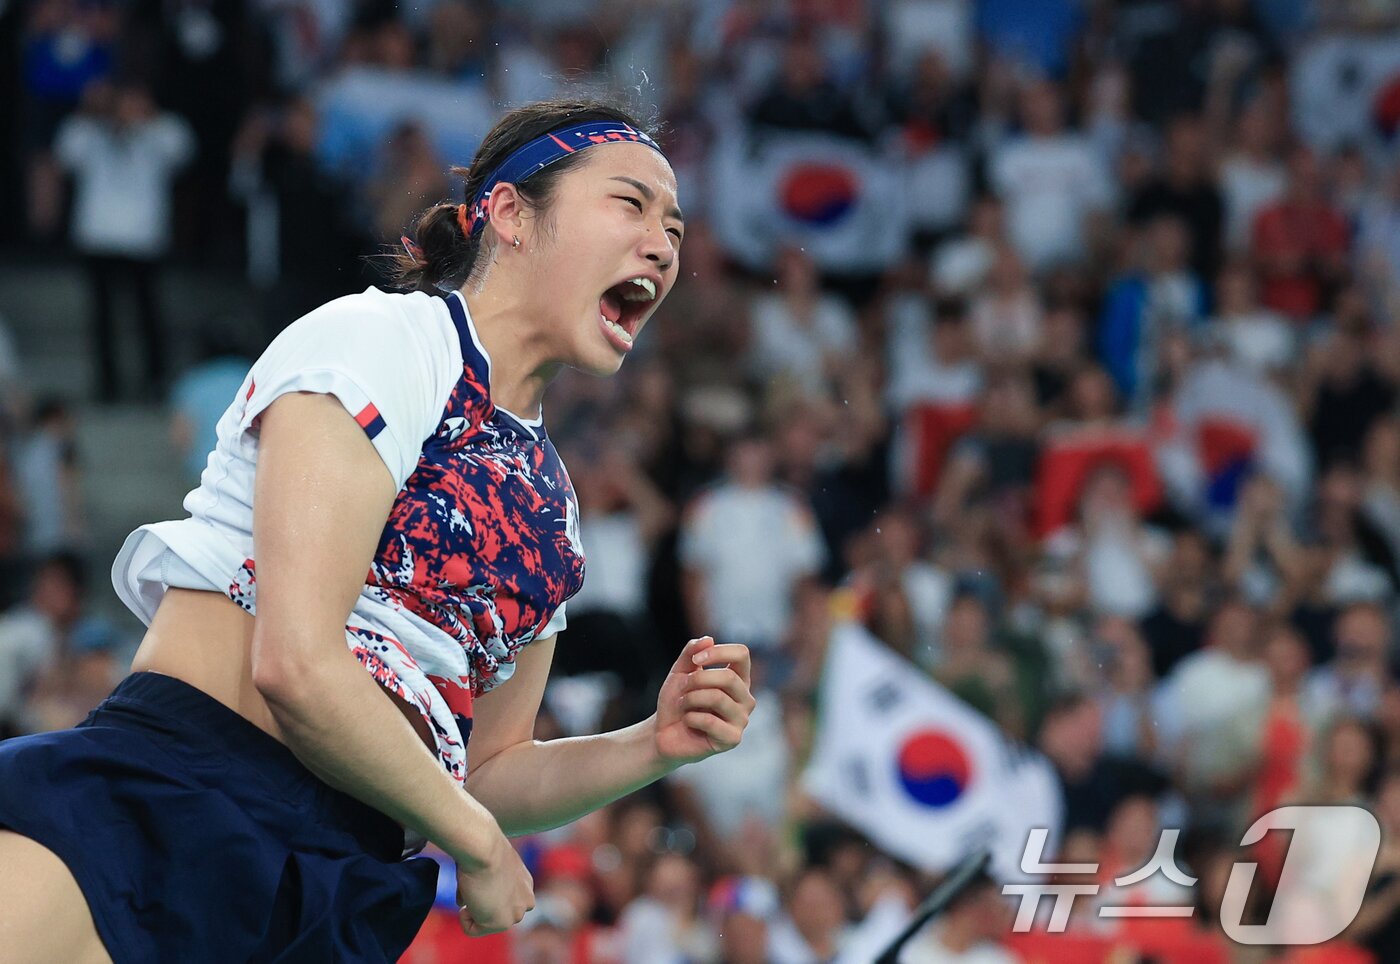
{"points": [[390, 369], [557, 623]]}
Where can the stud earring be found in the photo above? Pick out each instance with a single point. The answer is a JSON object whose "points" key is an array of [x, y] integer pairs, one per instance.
{"points": [[516, 242]]}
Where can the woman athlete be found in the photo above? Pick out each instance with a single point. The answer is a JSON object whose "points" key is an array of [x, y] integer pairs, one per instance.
{"points": [[251, 792]]}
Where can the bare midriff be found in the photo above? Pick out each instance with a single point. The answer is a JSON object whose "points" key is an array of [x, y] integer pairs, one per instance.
{"points": [[206, 640]]}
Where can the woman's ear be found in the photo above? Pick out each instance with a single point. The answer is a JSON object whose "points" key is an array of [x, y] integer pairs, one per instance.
{"points": [[505, 211]]}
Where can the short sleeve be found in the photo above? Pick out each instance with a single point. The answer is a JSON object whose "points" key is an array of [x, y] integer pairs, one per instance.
{"points": [[696, 549], [75, 141], [557, 623], [390, 366], [808, 553]]}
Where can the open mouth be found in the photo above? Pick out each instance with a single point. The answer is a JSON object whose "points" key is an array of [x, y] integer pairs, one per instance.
{"points": [[622, 307]]}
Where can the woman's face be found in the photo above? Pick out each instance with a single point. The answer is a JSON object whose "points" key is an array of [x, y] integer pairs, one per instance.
{"points": [[614, 223], [1349, 756]]}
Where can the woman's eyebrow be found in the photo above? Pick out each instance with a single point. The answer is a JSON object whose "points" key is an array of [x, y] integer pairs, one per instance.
{"points": [[650, 195]]}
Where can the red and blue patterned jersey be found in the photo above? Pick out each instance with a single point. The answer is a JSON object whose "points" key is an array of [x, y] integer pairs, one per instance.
{"points": [[481, 548]]}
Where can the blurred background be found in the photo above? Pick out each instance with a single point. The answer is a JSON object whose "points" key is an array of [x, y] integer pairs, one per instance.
{"points": [[1049, 347]]}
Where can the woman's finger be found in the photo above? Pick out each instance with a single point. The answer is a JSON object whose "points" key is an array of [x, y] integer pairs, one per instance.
{"points": [[721, 679], [735, 654], [685, 660], [716, 701], [722, 734]]}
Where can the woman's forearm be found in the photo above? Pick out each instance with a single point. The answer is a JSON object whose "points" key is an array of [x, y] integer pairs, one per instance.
{"points": [[536, 786], [342, 727]]}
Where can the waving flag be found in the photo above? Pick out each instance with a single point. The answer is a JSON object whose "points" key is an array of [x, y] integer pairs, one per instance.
{"points": [[841, 201], [1224, 423], [918, 771]]}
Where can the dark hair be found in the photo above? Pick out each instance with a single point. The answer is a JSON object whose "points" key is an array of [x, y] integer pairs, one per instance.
{"points": [[446, 257], [68, 563]]}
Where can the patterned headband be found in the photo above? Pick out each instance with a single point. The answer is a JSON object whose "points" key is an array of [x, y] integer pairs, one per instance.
{"points": [[539, 154]]}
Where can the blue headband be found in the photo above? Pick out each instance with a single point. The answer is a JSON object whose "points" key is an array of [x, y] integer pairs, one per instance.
{"points": [[542, 152]]}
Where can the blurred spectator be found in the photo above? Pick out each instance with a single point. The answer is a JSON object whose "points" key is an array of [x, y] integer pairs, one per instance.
{"points": [[1209, 710], [1351, 683], [968, 932], [1263, 558], [663, 925], [1290, 724], [200, 396], [912, 623], [46, 472], [302, 229], [1004, 682], [623, 515], [1300, 242], [960, 264], [934, 117], [1380, 466], [745, 545], [803, 97], [799, 333], [995, 462], [124, 155], [1059, 356], [545, 935], [931, 359], [1186, 190], [1006, 314], [1129, 842], [34, 639], [1113, 556], [68, 44], [1144, 308], [1251, 175], [1176, 627], [1378, 241], [743, 909], [1343, 392], [813, 926], [1254, 336], [1126, 692], [410, 178], [1050, 180], [1377, 925]]}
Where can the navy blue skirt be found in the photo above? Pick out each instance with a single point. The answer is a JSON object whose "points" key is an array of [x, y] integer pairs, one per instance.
{"points": [[195, 836]]}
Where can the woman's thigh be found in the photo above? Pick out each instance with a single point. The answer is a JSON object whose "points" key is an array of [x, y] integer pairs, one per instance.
{"points": [[43, 916]]}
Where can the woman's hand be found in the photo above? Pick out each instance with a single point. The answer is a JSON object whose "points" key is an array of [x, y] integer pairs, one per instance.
{"points": [[495, 897], [703, 710]]}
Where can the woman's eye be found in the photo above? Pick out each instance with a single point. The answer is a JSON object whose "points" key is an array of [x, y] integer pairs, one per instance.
{"points": [[675, 232], [632, 200]]}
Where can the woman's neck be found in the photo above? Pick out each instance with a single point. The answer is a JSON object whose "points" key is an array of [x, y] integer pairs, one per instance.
{"points": [[520, 366]]}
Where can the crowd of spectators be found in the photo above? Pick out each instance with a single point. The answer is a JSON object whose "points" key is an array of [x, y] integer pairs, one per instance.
{"points": [[1111, 450]]}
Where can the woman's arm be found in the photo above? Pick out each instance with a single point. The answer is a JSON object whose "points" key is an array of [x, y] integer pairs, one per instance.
{"points": [[321, 496], [531, 786]]}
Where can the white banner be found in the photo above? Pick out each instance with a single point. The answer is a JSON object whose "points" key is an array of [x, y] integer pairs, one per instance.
{"points": [[918, 771]]}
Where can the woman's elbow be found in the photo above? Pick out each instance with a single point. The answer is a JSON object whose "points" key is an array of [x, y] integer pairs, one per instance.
{"points": [[279, 675]]}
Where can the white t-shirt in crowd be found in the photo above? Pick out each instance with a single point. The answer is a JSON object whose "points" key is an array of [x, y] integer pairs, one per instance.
{"points": [[752, 545], [121, 203], [617, 567], [915, 372], [783, 345], [1049, 184]]}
